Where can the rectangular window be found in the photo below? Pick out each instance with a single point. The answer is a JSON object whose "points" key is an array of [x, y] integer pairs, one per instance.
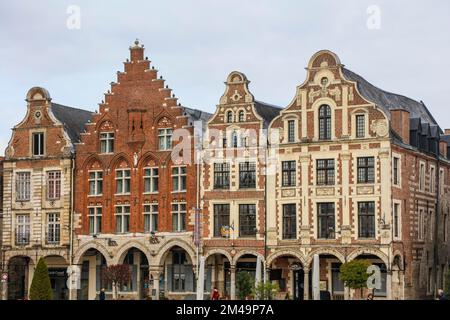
{"points": [[432, 180], [95, 183], [22, 229], [366, 219], [53, 185], [325, 172], [421, 225], [288, 173], [122, 219], [430, 222], [165, 139], [291, 131], [23, 186], [178, 217], [53, 228], [107, 142], [151, 180], [396, 171], [123, 181], [221, 175], [95, 220], [441, 181], [445, 233], [422, 177], [247, 220], [38, 144], [221, 219], [396, 221], [366, 170], [247, 175], [151, 218], [178, 271], [179, 179], [360, 126], [326, 220], [289, 221]]}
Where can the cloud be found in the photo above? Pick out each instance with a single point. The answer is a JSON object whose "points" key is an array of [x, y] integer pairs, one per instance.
{"points": [[195, 44]]}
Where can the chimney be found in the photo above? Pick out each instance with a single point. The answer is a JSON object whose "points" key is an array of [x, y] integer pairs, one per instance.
{"points": [[137, 51], [443, 148], [446, 132], [400, 123]]}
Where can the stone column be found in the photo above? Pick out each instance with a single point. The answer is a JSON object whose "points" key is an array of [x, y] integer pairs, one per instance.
{"points": [[306, 284], [233, 282], [388, 285], [155, 273]]}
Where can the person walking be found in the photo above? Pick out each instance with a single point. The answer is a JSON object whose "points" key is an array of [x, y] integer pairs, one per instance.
{"points": [[441, 295], [102, 295], [215, 294]]}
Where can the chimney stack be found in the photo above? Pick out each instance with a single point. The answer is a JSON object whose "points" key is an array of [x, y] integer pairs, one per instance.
{"points": [[400, 123]]}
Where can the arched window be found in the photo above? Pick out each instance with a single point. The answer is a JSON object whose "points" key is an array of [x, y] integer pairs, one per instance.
{"points": [[230, 116], [241, 116], [325, 122], [234, 139]]}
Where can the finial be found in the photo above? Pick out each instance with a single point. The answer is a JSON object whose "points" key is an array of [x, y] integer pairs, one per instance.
{"points": [[136, 42]]}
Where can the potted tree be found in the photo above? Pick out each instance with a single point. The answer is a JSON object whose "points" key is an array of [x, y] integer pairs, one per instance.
{"points": [[116, 275], [354, 274], [41, 288]]}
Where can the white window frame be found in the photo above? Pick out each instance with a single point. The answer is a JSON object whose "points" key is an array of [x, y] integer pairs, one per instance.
{"points": [[108, 139], [54, 184], [41, 143], [422, 172], [153, 178], [150, 212], [397, 204], [165, 139], [178, 176], [23, 186], [399, 170], [121, 213], [179, 213], [96, 214], [432, 179], [23, 229], [53, 228], [123, 179], [96, 180], [421, 224]]}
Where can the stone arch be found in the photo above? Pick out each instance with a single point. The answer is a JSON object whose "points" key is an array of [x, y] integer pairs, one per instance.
{"points": [[105, 124], [367, 251], [397, 261], [92, 245], [91, 160], [219, 251], [115, 161], [286, 252], [164, 250], [122, 251], [146, 157], [163, 120], [320, 251], [241, 253], [8, 258], [38, 93], [318, 59]]}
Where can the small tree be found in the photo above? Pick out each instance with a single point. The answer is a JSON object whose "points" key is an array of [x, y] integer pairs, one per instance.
{"points": [[266, 291], [41, 288], [354, 274], [116, 275], [244, 284]]}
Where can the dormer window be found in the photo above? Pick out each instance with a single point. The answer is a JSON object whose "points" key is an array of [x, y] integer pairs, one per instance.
{"points": [[38, 144], [325, 122], [230, 116], [241, 116], [107, 142]]}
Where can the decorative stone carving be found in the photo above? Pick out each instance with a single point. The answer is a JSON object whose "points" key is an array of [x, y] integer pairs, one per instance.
{"points": [[287, 193], [325, 191], [351, 96], [380, 127], [9, 152], [365, 190], [313, 94], [236, 96], [336, 92]]}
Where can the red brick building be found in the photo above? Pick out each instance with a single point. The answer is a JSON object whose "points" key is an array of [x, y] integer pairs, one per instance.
{"points": [[136, 188]]}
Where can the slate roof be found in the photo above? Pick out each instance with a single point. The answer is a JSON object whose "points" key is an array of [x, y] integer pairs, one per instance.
{"points": [[389, 101], [197, 115], [267, 111], [73, 119]]}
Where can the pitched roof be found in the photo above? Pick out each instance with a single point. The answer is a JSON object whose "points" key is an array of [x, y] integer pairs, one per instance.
{"points": [[388, 100], [267, 111], [73, 119], [197, 115]]}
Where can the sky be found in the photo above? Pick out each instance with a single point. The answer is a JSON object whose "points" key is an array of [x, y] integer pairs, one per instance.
{"points": [[74, 48]]}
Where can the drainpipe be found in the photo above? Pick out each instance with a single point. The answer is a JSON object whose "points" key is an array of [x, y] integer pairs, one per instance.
{"points": [[71, 212], [437, 213], [265, 208]]}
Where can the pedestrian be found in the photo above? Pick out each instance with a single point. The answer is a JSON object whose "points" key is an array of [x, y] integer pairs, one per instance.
{"points": [[370, 296], [215, 294], [441, 295], [102, 295]]}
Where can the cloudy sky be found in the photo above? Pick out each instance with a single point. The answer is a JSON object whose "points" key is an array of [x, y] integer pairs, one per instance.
{"points": [[195, 44]]}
